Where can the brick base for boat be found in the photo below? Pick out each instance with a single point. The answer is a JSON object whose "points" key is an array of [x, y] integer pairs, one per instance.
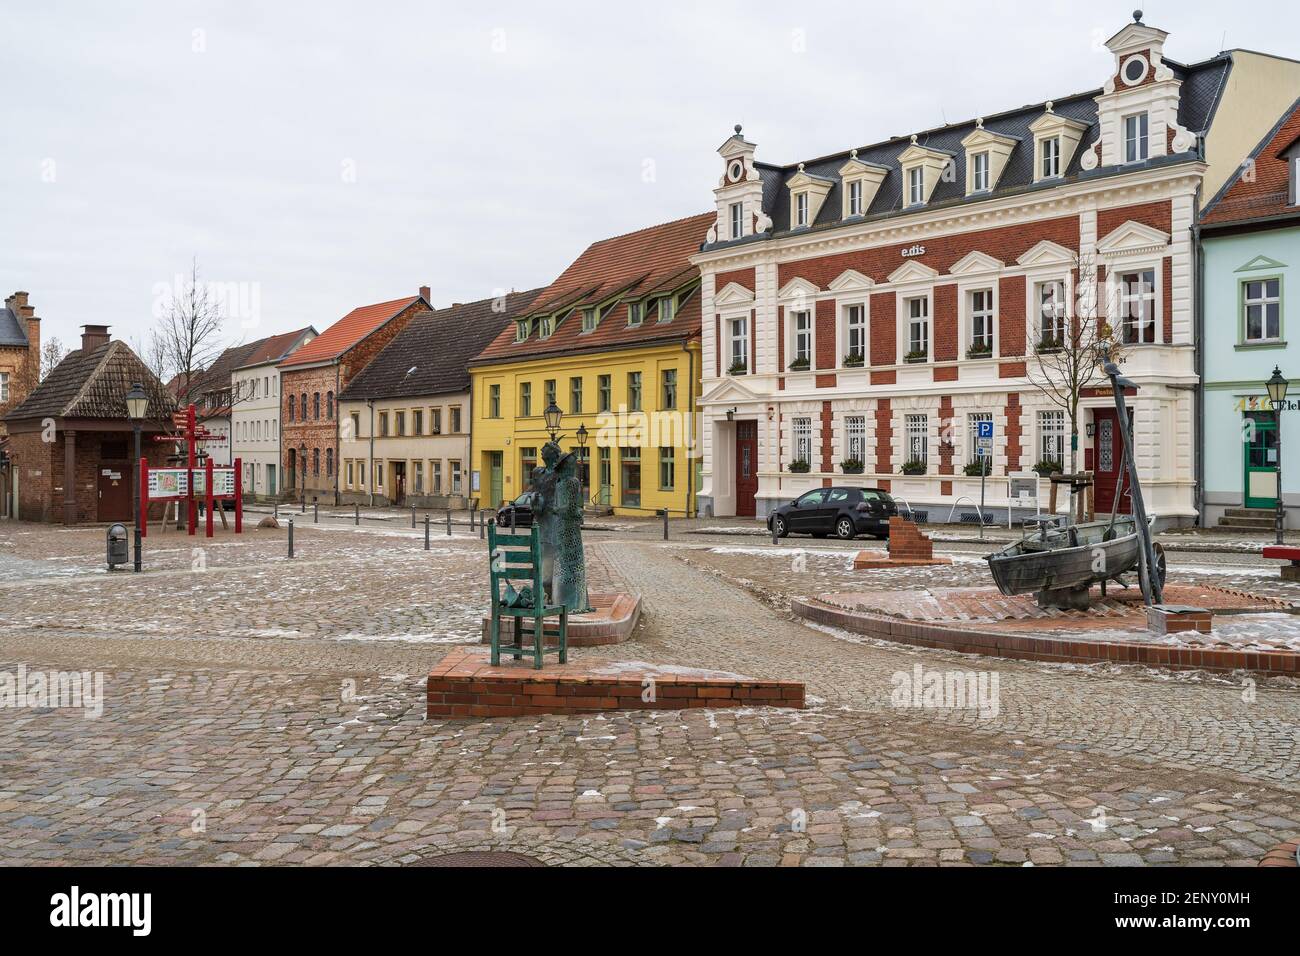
{"points": [[466, 685], [1284, 854], [1049, 640], [612, 621]]}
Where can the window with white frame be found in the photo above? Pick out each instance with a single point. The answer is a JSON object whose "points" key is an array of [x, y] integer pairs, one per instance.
{"points": [[973, 421], [918, 438], [737, 220], [802, 339], [4, 387], [802, 431], [589, 320], [1261, 310], [916, 185], [1051, 437], [634, 312], [1051, 314], [981, 321], [740, 344], [1050, 157], [801, 209], [667, 308], [855, 198], [979, 180], [918, 327], [855, 438], [1137, 300], [855, 327], [1135, 138]]}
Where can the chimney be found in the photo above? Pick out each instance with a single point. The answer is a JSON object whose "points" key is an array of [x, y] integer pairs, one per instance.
{"points": [[93, 336], [424, 292]]}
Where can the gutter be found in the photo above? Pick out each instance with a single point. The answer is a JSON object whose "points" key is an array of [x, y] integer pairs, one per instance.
{"points": [[690, 426], [338, 431], [1198, 396]]}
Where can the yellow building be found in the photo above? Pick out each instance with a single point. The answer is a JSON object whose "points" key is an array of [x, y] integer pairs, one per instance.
{"points": [[614, 344]]}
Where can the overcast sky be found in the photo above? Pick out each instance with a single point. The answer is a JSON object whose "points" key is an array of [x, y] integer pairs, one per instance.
{"points": [[326, 155]]}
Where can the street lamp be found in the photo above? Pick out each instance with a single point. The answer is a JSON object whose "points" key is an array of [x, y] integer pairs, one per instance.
{"points": [[553, 416], [137, 405], [581, 435], [1277, 386]]}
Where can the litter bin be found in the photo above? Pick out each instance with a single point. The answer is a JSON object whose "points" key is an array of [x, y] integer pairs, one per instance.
{"points": [[119, 546]]}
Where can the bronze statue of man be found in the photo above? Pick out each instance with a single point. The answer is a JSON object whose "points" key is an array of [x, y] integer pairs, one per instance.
{"points": [[557, 510]]}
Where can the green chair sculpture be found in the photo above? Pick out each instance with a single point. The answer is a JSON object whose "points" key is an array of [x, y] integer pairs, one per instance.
{"points": [[518, 557]]}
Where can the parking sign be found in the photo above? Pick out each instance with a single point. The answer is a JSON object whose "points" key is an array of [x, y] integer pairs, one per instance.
{"points": [[986, 430]]}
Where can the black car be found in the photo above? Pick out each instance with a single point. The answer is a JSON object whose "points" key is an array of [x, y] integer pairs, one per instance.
{"points": [[518, 513], [843, 512]]}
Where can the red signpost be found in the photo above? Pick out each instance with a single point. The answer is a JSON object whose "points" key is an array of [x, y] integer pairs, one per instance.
{"points": [[176, 484]]}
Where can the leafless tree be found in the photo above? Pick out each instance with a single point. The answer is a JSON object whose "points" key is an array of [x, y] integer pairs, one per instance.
{"points": [[187, 338], [1068, 347], [52, 353]]}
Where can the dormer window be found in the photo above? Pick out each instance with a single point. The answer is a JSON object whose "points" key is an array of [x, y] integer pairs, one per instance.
{"points": [[855, 198], [548, 326], [801, 209], [979, 174], [915, 186], [666, 309], [521, 330], [1050, 158], [588, 320], [860, 181], [737, 220], [1136, 145]]}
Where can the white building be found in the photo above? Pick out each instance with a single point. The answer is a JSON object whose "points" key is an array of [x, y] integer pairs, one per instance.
{"points": [[255, 411]]}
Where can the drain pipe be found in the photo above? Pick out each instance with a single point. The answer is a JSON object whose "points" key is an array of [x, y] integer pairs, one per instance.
{"points": [[370, 478], [1198, 393]]}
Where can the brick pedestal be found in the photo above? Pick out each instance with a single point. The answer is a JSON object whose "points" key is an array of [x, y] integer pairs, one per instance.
{"points": [[1176, 618], [908, 547]]}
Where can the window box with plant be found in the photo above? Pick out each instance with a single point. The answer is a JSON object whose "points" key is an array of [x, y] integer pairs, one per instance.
{"points": [[980, 350], [914, 467], [852, 466], [1050, 343], [979, 467], [1048, 466], [800, 365], [916, 355], [854, 360], [800, 467], [737, 368]]}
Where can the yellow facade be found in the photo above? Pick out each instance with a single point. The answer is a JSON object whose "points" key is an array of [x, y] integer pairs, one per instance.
{"points": [[640, 456]]}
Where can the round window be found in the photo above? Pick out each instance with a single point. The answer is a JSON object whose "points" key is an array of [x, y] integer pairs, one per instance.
{"points": [[736, 170], [1135, 70]]}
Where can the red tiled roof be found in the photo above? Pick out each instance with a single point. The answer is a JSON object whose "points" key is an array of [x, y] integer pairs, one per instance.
{"points": [[1265, 192], [270, 349], [634, 265], [348, 331]]}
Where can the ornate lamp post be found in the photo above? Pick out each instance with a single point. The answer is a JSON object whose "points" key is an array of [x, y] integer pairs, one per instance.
{"points": [[137, 406], [553, 416], [1277, 386], [581, 435]]}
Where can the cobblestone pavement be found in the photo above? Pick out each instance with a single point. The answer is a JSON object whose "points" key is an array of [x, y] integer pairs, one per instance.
{"points": [[249, 724]]}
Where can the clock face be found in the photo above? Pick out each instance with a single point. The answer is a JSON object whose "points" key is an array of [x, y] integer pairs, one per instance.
{"points": [[1134, 70], [735, 170]]}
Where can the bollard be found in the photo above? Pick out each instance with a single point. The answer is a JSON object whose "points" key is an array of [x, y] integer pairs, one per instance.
{"points": [[412, 516], [664, 512], [291, 536], [356, 514], [315, 512], [774, 537], [471, 520], [512, 520], [426, 532], [277, 511], [449, 522], [137, 547], [482, 524], [303, 502]]}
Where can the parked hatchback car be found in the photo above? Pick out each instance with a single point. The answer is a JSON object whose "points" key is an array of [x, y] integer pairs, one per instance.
{"points": [[843, 512], [519, 511]]}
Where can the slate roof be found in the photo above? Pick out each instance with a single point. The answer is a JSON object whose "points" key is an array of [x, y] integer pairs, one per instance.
{"points": [[1202, 85], [630, 267], [93, 384], [1267, 195], [348, 331], [13, 333], [429, 356], [275, 347]]}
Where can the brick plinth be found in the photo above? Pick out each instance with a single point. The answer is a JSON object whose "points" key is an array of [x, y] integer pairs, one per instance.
{"points": [[1284, 854], [464, 684], [1176, 618]]}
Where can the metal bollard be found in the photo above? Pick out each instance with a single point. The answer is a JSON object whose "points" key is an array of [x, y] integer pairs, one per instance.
{"points": [[291, 536], [277, 511], [664, 512], [412, 516], [426, 532], [315, 512], [449, 522], [482, 525], [775, 540], [356, 514]]}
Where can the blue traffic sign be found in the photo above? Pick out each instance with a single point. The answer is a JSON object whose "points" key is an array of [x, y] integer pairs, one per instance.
{"points": [[986, 429]]}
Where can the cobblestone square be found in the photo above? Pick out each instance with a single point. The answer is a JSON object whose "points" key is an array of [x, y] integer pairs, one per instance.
{"points": [[263, 711]]}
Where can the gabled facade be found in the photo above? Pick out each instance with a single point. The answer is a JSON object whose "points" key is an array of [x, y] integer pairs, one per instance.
{"points": [[255, 411], [918, 296], [1251, 271], [20, 370], [311, 379], [614, 343]]}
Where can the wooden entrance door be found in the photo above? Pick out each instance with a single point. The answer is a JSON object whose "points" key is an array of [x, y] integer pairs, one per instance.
{"points": [[1108, 462], [746, 468], [399, 482], [114, 502]]}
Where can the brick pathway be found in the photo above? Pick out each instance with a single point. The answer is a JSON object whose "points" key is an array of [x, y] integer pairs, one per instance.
{"points": [[251, 721]]}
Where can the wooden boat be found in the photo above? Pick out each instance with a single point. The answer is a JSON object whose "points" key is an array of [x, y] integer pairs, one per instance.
{"points": [[1060, 564]]}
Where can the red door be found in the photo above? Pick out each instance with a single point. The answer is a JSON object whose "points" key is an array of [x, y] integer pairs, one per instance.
{"points": [[746, 468], [114, 488], [1108, 462]]}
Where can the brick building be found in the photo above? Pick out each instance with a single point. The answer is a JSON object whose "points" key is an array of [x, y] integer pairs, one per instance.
{"points": [[867, 311], [20, 370], [315, 374], [70, 440]]}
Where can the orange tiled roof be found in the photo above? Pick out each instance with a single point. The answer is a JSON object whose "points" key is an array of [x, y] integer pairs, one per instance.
{"points": [[633, 266], [1266, 192], [272, 348], [347, 332]]}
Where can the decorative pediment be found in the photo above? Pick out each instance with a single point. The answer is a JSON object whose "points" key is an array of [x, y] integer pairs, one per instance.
{"points": [[851, 280], [798, 287], [913, 271], [816, 188], [733, 293], [1136, 36], [870, 175], [1046, 253], [932, 163], [1052, 125], [998, 146], [976, 263], [1259, 263], [1133, 238], [730, 391]]}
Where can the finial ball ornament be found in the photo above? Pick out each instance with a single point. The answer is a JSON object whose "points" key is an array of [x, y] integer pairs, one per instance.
{"points": [[1137, 16]]}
